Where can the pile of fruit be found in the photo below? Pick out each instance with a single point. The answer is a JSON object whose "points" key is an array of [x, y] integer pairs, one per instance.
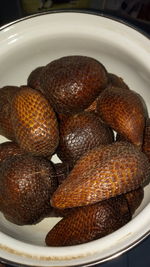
{"points": [[97, 126]]}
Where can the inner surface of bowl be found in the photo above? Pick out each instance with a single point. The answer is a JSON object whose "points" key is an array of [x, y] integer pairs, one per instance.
{"points": [[35, 42]]}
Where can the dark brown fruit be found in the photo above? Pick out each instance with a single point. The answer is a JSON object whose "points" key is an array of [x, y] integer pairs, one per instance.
{"points": [[6, 95], [134, 199], [72, 83], [61, 171], [9, 149], [146, 139], [102, 173], [123, 111], [89, 223], [116, 81], [81, 133], [26, 186], [33, 80], [34, 121]]}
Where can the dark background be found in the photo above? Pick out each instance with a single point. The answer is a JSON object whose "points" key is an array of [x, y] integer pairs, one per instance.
{"points": [[136, 13]]}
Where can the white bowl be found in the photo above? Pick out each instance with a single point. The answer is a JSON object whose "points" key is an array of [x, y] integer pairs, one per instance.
{"points": [[35, 41]]}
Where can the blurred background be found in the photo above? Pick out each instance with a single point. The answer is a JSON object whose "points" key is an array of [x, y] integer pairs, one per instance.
{"points": [[137, 12], [134, 12]]}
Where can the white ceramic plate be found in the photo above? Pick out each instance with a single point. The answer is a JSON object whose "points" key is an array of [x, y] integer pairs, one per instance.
{"points": [[35, 41]]}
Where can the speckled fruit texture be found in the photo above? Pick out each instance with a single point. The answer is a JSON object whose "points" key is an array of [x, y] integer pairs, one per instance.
{"points": [[72, 83], [34, 121], [123, 110], [101, 173]]}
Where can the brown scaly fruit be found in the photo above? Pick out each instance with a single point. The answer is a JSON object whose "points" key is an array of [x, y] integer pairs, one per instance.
{"points": [[102, 173], [26, 186], [34, 122], [81, 133], [89, 223], [123, 111], [134, 199], [72, 83], [6, 95], [9, 149], [33, 80], [146, 139]]}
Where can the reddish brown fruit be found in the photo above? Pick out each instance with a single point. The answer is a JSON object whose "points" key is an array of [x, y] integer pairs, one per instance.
{"points": [[26, 186], [72, 83], [81, 133], [34, 121], [146, 139], [89, 223], [9, 149], [33, 80], [123, 110], [6, 95], [134, 199], [102, 173]]}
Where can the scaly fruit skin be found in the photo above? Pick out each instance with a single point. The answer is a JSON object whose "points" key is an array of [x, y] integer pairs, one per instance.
{"points": [[81, 133], [34, 122], [102, 173], [123, 111], [72, 83], [6, 95], [33, 80], [9, 149], [146, 139], [26, 186], [89, 223], [134, 199]]}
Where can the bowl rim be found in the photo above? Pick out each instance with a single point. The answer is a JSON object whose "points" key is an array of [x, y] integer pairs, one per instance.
{"points": [[124, 21], [92, 263], [116, 17]]}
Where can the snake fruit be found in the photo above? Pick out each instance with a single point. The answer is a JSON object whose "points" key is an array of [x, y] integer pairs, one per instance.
{"points": [[81, 133], [6, 95], [123, 111], [34, 122], [102, 173], [26, 185], [72, 83], [89, 223]]}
